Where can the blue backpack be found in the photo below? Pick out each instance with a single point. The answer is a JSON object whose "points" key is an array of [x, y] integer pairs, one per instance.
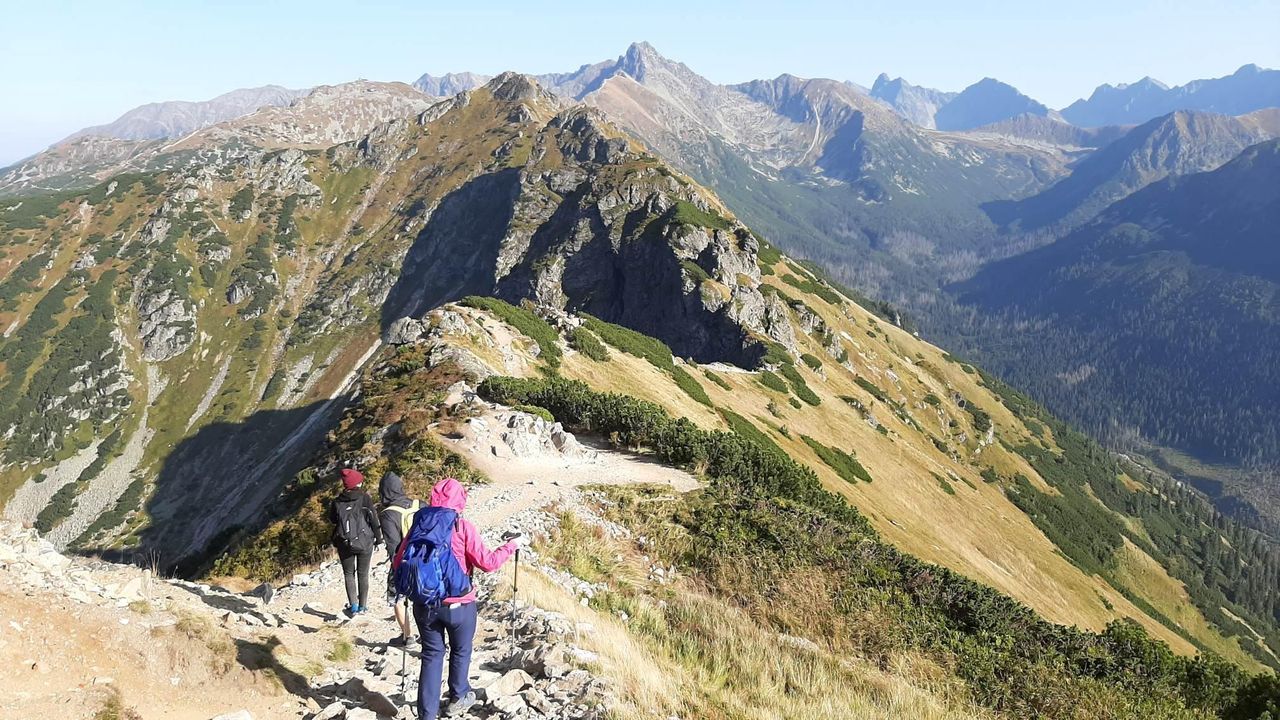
{"points": [[429, 572]]}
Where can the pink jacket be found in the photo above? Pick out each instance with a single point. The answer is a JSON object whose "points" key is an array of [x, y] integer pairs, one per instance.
{"points": [[467, 545]]}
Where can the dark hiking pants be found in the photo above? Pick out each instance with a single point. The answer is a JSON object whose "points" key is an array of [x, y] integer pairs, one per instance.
{"points": [[357, 587], [457, 624]]}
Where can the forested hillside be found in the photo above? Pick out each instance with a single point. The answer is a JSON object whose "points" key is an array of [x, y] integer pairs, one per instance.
{"points": [[1158, 318]]}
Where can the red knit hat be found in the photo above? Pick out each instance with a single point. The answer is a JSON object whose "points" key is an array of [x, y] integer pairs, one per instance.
{"points": [[351, 478]]}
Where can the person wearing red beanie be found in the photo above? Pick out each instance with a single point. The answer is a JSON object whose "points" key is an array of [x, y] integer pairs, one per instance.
{"points": [[356, 531]]}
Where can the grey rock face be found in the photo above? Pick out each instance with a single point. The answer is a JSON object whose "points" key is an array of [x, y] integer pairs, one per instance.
{"points": [[583, 239], [915, 103], [166, 324]]}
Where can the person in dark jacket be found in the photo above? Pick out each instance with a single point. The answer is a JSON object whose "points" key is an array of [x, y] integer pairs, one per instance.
{"points": [[356, 532], [397, 518]]}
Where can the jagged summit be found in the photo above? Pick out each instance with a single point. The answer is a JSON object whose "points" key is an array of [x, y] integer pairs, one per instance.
{"points": [[449, 84]]}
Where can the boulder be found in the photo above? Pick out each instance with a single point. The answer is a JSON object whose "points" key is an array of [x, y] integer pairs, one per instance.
{"points": [[537, 701], [332, 711], [380, 704], [509, 705], [404, 331], [263, 592], [511, 683]]}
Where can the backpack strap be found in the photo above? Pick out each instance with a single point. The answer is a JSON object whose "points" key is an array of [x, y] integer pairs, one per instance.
{"points": [[406, 516]]}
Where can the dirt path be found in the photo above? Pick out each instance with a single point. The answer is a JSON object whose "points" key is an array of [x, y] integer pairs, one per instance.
{"points": [[527, 470]]}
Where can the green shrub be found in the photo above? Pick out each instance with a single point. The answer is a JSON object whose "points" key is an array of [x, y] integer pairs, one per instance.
{"points": [[690, 385], [633, 343], [813, 362], [747, 429], [241, 202], [772, 381], [767, 255], [845, 465], [695, 271], [686, 213], [585, 342], [525, 321], [541, 412], [871, 388], [717, 380], [932, 399], [798, 384], [814, 288], [981, 420], [944, 484]]}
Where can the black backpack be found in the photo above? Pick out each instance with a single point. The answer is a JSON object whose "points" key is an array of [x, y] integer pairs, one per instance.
{"points": [[354, 533]]}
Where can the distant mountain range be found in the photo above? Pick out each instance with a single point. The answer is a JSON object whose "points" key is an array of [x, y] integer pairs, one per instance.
{"points": [[1249, 88], [1179, 143], [990, 101]]}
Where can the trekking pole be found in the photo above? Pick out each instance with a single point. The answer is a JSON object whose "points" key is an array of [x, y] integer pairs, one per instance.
{"points": [[404, 677], [515, 590]]}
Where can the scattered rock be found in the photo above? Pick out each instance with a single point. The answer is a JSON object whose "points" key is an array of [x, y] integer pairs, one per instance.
{"points": [[509, 705], [380, 704], [333, 711], [509, 684]]}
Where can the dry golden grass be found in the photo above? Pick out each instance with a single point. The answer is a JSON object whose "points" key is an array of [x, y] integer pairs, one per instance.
{"points": [[630, 375], [712, 661], [1142, 574]]}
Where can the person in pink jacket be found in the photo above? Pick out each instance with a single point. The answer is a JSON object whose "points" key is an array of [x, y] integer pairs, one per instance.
{"points": [[455, 618]]}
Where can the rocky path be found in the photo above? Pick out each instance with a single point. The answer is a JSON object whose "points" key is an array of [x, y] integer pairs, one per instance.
{"points": [[79, 633]]}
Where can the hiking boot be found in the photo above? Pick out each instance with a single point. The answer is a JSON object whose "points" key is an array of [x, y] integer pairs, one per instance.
{"points": [[460, 706]]}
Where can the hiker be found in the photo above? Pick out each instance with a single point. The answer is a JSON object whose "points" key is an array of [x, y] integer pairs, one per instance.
{"points": [[356, 532], [397, 518], [434, 567]]}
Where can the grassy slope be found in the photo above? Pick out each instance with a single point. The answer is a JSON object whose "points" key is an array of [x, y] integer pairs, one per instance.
{"points": [[977, 531]]}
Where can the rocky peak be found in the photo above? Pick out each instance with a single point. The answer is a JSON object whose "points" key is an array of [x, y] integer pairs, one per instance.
{"points": [[638, 59], [514, 87], [984, 102]]}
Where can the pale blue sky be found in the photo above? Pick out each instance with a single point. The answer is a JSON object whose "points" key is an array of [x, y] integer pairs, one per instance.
{"points": [[72, 64]]}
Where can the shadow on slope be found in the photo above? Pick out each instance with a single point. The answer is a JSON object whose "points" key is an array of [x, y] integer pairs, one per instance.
{"points": [[221, 480], [457, 253]]}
